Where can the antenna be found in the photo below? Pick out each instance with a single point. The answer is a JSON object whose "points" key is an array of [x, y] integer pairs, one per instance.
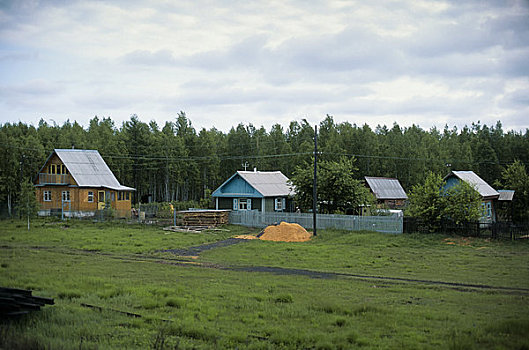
{"points": [[245, 165]]}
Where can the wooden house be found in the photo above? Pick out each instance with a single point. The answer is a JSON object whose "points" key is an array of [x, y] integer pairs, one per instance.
{"points": [[266, 191], [488, 194], [78, 183], [387, 191]]}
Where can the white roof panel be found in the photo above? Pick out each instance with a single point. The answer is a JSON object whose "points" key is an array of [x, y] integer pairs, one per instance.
{"points": [[386, 188], [484, 189], [89, 169], [268, 183]]}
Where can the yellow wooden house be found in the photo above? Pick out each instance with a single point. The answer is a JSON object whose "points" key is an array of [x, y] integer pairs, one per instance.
{"points": [[77, 183]]}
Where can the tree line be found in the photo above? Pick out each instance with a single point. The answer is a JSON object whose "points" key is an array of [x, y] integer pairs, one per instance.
{"points": [[176, 162]]}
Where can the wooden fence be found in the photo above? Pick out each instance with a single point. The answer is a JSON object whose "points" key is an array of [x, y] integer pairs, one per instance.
{"points": [[255, 218]]}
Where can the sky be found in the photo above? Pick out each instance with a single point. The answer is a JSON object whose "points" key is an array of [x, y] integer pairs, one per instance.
{"points": [[225, 62]]}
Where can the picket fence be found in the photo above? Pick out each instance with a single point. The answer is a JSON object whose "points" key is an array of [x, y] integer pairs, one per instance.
{"points": [[254, 218]]}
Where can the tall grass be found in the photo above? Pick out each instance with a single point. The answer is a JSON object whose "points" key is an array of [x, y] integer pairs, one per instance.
{"points": [[147, 303]]}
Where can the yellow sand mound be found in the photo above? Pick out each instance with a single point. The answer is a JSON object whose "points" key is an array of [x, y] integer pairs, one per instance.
{"points": [[285, 232]]}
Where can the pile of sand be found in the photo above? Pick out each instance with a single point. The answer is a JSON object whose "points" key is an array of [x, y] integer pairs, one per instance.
{"points": [[285, 232]]}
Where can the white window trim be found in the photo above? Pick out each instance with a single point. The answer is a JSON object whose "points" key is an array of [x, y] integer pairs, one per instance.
{"points": [[243, 202], [46, 196], [67, 193], [279, 204], [90, 197]]}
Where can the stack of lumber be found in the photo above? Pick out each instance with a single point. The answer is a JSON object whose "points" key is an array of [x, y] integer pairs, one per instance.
{"points": [[192, 229], [208, 218], [15, 302]]}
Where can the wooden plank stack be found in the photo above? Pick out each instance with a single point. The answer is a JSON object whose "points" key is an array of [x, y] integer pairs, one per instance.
{"points": [[207, 218], [16, 302]]}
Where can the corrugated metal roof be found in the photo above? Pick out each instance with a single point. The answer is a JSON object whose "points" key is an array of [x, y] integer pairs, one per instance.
{"points": [[484, 189], [386, 188], [88, 169], [268, 183], [506, 195]]}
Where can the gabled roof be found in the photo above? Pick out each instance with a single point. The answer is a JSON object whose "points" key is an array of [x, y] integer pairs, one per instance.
{"points": [[88, 169], [386, 188], [470, 177], [265, 183]]}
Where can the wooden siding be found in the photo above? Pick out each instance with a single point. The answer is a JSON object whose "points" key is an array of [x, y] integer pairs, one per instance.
{"points": [[79, 199], [61, 175]]}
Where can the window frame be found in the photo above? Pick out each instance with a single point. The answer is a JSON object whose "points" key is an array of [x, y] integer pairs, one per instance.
{"points": [[67, 195], [46, 196], [90, 196], [278, 204], [243, 203]]}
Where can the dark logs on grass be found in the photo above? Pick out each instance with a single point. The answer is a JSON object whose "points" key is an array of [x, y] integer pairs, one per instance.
{"points": [[16, 302]]}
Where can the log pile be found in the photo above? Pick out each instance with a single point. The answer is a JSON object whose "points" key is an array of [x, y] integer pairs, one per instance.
{"points": [[16, 302], [202, 218]]}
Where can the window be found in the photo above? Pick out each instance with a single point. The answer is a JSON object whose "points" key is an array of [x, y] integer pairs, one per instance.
{"points": [[279, 204], [113, 196], [65, 196], [486, 210], [127, 196], [47, 196], [53, 169], [90, 197], [489, 210], [63, 169], [243, 204]]}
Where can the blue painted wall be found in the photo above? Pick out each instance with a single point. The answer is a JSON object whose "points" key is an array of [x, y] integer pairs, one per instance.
{"points": [[237, 187], [451, 182], [488, 214]]}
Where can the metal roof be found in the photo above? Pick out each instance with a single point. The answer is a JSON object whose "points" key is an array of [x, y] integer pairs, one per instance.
{"points": [[470, 177], [88, 169], [506, 195], [266, 183], [386, 188]]}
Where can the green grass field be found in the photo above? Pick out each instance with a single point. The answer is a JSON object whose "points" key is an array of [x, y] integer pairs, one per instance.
{"points": [[471, 293]]}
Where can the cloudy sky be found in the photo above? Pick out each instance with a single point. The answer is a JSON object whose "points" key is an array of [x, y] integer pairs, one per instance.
{"points": [[225, 62]]}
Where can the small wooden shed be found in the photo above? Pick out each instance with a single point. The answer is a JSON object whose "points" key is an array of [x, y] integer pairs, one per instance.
{"points": [[388, 192]]}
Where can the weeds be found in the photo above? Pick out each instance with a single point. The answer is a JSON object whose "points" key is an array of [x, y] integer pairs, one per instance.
{"points": [[148, 304]]}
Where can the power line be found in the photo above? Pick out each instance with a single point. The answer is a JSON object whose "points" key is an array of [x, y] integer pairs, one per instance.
{"points": [[223, 156]]}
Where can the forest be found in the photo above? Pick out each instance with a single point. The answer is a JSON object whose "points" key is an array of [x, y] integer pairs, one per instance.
{"points": [[176, 162]]}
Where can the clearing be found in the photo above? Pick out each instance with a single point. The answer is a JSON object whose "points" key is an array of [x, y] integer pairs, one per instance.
{"points": [[134, 286]]}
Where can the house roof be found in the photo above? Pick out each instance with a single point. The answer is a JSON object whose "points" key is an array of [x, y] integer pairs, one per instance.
{"points": [[470, 177], [386, 188], [506, 195], [88, 169], [266, 183]]}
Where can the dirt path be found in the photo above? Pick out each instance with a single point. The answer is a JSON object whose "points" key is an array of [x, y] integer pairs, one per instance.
{"points": [[193, 251]]}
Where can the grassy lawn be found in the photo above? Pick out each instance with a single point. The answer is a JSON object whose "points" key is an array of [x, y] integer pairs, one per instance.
{"points": [[183, 304]]}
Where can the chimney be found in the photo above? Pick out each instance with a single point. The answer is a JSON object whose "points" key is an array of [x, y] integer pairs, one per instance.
{"points": [[254, 170]]}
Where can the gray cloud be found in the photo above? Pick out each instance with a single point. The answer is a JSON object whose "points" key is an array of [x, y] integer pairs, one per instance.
{"points": [[268, 60]]}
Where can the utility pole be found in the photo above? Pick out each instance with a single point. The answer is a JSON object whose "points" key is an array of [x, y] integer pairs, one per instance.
{"points": [[314, 185]]}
